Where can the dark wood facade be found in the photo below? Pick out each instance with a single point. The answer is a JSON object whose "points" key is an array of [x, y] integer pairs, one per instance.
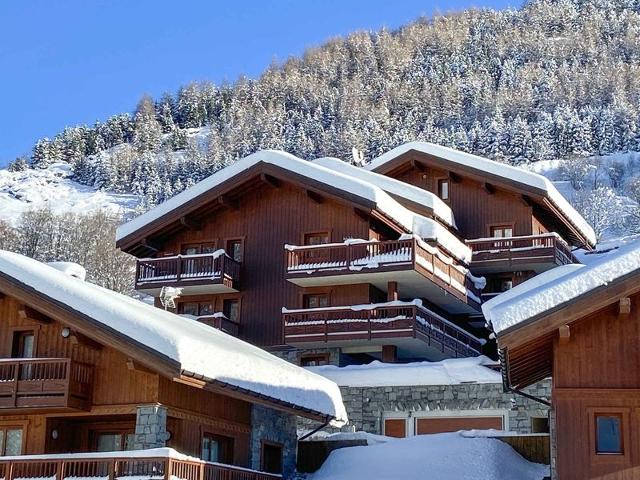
{"points": [[591, 349]]}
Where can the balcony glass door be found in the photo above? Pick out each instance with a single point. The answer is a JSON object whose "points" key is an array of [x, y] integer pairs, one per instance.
{"points": [[24, 347]]}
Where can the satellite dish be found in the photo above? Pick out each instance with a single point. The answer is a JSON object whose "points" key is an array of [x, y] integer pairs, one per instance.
{"points": [[358, 156], [168, 296]]}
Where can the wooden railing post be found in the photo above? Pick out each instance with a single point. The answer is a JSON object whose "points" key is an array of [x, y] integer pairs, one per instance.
{"points": [[112, 469], [60, 470], [179, 268]]}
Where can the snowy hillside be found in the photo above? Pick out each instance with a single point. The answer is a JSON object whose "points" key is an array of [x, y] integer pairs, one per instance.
{"points": [[53, 188]]}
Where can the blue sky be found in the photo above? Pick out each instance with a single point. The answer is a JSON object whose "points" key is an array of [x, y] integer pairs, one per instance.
{"points": [[69, 62]]}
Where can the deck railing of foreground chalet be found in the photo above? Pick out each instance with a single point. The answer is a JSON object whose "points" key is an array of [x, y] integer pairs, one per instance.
{"points": [[180, 268], [378, 322], [45, 382], [112, 468], [368, 256], [521, 248]]}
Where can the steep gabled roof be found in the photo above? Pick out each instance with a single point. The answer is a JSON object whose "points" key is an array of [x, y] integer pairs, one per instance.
{"points": [[394, 187], [355, 190], [176, 344], [494, 172]]}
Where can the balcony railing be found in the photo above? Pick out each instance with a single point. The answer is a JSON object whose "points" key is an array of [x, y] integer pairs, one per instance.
{"points": [[211, 268], [373, 256], [381, 321], [220, 322], [45, 383], [544, 248], [135, 466]]}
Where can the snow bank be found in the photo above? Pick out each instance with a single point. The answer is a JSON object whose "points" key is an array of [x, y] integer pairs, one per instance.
{"points": [[484, 166], [198, 348], [445, 456], [394, 187], [53, 188], [446, 372], [558, 286], [409, 220], [70, 268]]}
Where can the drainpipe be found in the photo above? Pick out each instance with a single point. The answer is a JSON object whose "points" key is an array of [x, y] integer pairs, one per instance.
{"points": [[307, 435]]}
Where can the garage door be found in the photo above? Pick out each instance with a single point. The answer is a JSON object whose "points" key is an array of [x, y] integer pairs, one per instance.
{"points": [[453, 424], [395, 427]]}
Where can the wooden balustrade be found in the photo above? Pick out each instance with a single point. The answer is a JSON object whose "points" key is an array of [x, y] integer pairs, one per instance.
{"points": [[380, 321], [373, 256], [513, 249], [44, 383], [60, 467], [175, 270]]}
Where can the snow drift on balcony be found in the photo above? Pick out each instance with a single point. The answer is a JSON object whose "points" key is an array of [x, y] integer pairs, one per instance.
{"points": [[198, 348], [452, 371], [485, 165], [557, 287], [428, 228], [394, 187]]}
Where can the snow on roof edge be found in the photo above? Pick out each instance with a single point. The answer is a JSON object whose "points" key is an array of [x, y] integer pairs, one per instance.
{"points": [[516, 174], [383, 201], [557, 287], [190, 344]]}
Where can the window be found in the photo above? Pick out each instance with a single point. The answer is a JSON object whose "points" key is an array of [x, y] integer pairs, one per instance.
{"points": [[113, 441], [314, 360], [197, 309], [315, 300], [271, 457], [234, 249], [539, 425], [231, 309], [11, 439], [316, 238], [24, 344], [198, 248], [217, 448], [502, 231], [609, 434], [443, 188], [498, 284]]}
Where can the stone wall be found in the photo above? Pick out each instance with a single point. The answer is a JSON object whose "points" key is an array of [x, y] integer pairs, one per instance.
{"points": [[368, 406], [294, 355], [151, 427], [273, 426]]}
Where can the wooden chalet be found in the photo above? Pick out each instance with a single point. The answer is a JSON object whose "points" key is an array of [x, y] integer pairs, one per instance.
{"points": [[580, 325], [310, 256], [84, 369]]}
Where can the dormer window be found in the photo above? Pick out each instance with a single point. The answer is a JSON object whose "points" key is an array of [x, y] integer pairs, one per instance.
{"points": [[443, 188]]}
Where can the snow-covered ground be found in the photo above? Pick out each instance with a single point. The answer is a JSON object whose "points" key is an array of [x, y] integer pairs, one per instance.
{"points": [[53, 188], [445, 456]]}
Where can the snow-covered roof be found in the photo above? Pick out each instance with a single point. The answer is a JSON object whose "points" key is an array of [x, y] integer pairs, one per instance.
{"points": [[198, 348], [427, 228], [452, 371], [556, 287], [484, 165], [395, 187]]}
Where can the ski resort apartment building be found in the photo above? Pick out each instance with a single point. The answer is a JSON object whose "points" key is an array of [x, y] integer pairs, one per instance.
{"points": [[331, 266], [84, 371]]}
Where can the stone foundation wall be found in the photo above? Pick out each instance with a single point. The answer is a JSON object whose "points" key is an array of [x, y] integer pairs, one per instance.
{"points": [[273, 426], [368, 406]]}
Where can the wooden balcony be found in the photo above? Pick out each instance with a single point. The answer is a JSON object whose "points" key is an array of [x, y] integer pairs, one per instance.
{"points": [[45, 383], [534, 252], [195, 274], [220, 322], [121, 466], [421, 270], [412, 328]]}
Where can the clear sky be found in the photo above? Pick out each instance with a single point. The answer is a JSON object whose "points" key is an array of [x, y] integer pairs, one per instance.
{"points": [[68, 62]]}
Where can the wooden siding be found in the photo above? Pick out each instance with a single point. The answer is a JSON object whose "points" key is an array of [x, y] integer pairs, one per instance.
{"points": [[475, 210], [268, 218], [598, 371]]}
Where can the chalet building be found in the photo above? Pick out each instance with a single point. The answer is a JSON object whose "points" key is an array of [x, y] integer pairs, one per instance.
{"points": [[323, 262], [580, 325], [85, 369]]}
